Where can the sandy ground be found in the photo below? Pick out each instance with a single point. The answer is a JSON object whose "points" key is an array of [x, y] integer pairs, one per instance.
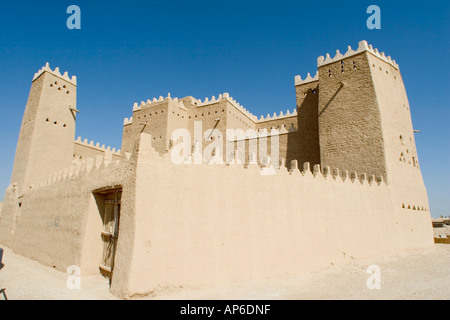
{"points": [[413, 275]]}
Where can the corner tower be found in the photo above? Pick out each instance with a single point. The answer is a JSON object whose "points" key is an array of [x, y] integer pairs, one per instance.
{"points": [[47, 132], [365, 121]]}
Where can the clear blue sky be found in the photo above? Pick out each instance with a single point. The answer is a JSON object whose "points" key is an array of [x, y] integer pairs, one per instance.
{"points": [[129, 51]]}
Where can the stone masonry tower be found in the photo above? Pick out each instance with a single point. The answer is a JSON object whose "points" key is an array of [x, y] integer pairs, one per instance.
{"points": [[47, 134], [365, 121]]}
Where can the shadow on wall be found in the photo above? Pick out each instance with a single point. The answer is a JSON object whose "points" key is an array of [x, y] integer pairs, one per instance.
{"points": [[304, 144], [331, 99]]}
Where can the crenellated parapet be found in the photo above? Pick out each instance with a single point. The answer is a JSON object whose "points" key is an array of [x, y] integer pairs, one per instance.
{"points": [[96, 146], [335, 175], [127, 121], [213, 100], [226, 97], [157, 101], [363, 46], [84, 167], [299, 81], [210, 101], [280, 116], [237, 105], [89, 166], [270, 168], [56, 73]]}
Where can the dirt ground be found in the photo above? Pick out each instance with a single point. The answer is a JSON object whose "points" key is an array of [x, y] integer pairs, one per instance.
{"points": [[413, 275]]}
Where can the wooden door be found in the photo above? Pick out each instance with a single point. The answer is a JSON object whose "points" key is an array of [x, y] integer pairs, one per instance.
{"points": [[110, 233]]}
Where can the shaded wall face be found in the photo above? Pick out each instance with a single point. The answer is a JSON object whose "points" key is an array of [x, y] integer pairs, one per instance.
{"points": [[127, 138], [304, 146], [350, 130]]}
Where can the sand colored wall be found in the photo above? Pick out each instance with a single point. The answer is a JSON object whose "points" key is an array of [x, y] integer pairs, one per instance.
{"points": [[58, 222], [211, 225], [152, 118], [207, 225], [402, 162]]}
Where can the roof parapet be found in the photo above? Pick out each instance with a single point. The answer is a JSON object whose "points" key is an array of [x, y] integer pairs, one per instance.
{"points": [[127, 121], [363, 46], [55, 72], [222, 97], [96, 146], [138, 106], [299, 81]]}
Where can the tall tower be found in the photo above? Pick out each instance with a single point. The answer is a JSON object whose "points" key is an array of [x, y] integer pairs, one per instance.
{"points": [[365, 121], [47, 133]]}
